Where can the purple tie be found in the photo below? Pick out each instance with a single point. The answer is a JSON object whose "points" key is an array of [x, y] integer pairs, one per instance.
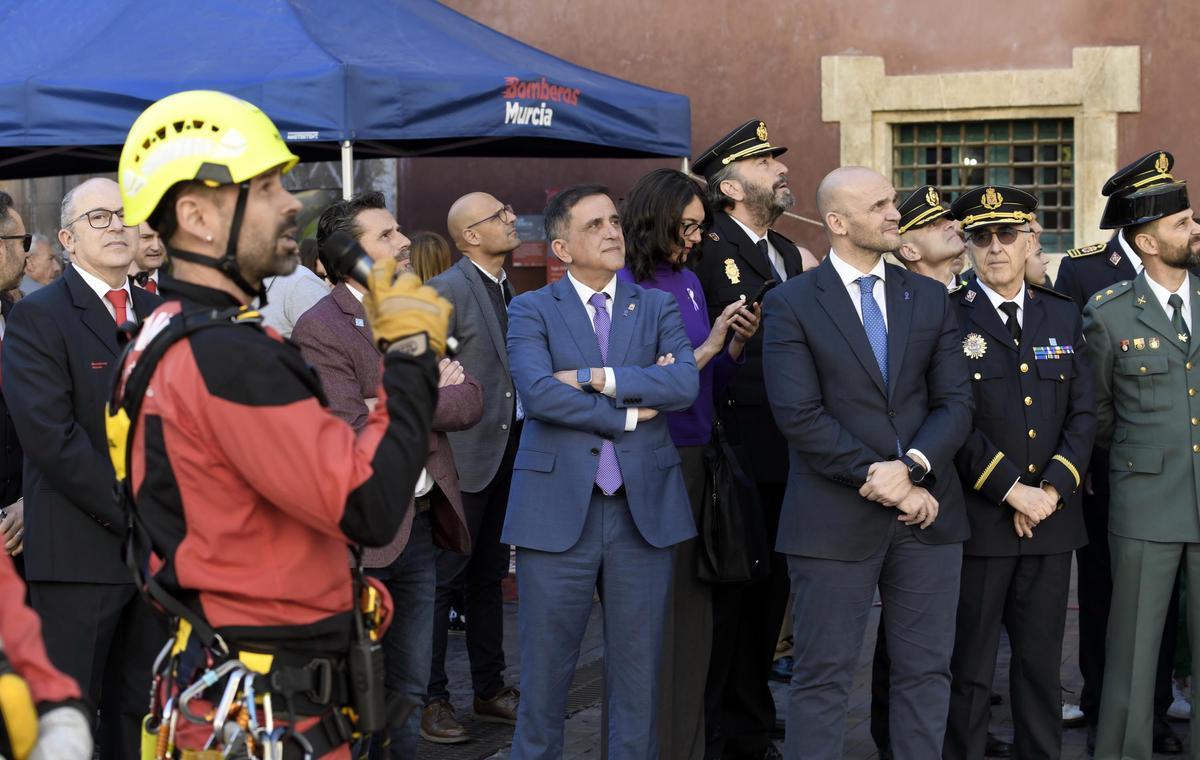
{"points": [[608, 470]]}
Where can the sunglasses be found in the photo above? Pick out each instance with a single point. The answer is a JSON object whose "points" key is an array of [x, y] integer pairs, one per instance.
{"points": [[983, 238], [26, 240]]}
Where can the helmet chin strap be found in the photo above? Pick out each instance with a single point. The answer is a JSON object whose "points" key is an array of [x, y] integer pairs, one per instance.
{"points": [[227, 264]]}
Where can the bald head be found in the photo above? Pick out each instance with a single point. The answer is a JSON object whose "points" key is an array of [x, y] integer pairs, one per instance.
{"points": [[837, 184], [858, 207], [466, 211], [97, 186]]}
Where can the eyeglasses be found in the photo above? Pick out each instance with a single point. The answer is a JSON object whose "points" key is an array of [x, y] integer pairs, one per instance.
{"points": [[26, 240], [687, 229], [983, 238], [504, 214], [101, 218]]}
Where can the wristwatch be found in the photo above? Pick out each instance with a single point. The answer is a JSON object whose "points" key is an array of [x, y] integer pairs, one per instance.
{"points": [[916, 471], [584, 378]]}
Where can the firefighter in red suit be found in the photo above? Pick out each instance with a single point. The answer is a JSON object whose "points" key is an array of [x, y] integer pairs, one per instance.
{"points": [[245, 487]]}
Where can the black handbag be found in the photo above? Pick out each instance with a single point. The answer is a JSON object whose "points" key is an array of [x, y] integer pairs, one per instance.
{"points": [[733, 544]]}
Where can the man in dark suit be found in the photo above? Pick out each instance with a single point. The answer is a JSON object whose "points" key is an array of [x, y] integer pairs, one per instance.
{"points": [[59, 348], [484, 230], [867, 381], [1083, 273], [14, 250], [1034, 423], [336, 339], [598, 498], [749, 190]]}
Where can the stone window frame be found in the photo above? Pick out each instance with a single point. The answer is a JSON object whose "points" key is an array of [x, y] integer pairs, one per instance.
{"points": [[1102, 82]]}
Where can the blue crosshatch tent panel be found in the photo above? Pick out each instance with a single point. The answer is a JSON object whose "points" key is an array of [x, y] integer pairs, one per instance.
{"points": [[396, 77]]}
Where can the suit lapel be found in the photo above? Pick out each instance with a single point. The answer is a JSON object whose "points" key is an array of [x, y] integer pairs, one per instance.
{"points": [[1150, 313], [575, 317], [624, 316], [1035, 314], [1194, 297], [835, 300], [354, 311], [94, 314], [986, 316], [144, 303], [470, 272], [793, 265], [747, 251], [1120, 261], [899, 307]]}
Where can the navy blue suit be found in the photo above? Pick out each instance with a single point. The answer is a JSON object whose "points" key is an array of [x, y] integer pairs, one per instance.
{"points": [[831, 403], [570, 537]]}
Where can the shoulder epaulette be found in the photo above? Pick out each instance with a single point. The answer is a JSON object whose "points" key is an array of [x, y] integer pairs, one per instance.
{"points": [[1051, 292], [1087, 250], [1111, 292]]}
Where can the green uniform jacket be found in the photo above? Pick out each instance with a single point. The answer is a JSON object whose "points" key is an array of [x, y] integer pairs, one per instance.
{"points": [[1147, 410]]}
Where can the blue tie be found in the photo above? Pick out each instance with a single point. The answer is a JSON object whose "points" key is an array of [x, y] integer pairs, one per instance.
{"points": [[873, 323]]}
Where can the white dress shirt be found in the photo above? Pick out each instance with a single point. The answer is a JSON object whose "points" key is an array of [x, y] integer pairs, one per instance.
{"points": [[101, 288], [610, 378], [1161, 294], [849, 276], [1135, 259], [774, 255], [998, 299], [424, 482]]}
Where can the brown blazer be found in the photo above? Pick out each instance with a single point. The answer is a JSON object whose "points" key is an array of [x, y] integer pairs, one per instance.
{"points": [[335, 338]]}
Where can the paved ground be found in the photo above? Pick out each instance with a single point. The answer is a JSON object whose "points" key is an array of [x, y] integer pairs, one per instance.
{"points": [[583, 726]]}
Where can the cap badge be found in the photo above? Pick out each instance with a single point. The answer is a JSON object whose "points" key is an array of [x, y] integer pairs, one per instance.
{"points": [[762, 131], [732, 272], [974, 346], [1160, 164], [992, 199], [932, 198]]}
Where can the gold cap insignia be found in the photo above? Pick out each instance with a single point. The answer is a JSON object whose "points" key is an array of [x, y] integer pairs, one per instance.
{"points": [[974, 346], [1160, 164], [732, 272], [992, 199], [762, 131], [932, 198]]}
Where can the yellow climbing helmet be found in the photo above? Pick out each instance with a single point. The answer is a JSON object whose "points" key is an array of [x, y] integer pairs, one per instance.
{"points": [[196, 135]]}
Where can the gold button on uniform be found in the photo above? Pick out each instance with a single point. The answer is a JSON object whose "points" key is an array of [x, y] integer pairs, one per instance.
{"points": [[1024, 367], [1028, 401], [1196, 420], [1032, 433], [1032, 469], [1191, 391], [1188, 365], [978, 376], [1142, 369], [1196, 447]]}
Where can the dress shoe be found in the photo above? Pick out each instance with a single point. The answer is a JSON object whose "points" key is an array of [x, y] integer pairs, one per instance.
{"points": [[1166, 742], [501, 708], [996, 747], [1072, 716], [782, 669], [438, 724]]}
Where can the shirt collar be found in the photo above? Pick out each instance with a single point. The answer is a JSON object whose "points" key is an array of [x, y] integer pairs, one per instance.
{"points": [[849, 274], [1129, 252], [100, 287], [998, 299], [498, 280], [1162, 294], [754, 236], [585, 293], [355, 292]]}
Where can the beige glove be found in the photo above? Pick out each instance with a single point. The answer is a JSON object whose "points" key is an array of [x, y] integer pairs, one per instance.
{"points": [[63, 734], [404, 307]]}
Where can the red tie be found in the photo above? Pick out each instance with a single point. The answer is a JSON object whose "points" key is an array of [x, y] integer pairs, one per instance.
{"points": [[151, 286], [117, 298]]}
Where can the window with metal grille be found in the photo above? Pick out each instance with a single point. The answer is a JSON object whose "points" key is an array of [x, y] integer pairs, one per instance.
{"points": [[1037, 155]]}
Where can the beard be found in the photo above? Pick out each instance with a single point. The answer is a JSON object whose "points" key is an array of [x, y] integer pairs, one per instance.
{"points": [[768, 203], [1185, 256]]}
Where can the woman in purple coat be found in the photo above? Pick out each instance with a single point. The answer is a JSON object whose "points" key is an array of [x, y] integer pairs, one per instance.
{"points": [[663, 219]]}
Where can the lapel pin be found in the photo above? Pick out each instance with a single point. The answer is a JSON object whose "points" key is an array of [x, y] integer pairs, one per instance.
{"points": [[1124, 345], [1154, 343], [1141, 300], [970, 297], [629, 309], [907, 296], [358, 322], [1139, 344]]}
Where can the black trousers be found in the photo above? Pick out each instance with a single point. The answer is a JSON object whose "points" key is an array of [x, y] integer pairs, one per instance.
{"points": [[1094, 587], [739, 709], [478, 576], [1028, 596], [106, 638]]}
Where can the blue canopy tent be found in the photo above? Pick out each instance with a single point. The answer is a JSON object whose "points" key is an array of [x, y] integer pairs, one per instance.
{"points": [[377, 77]]}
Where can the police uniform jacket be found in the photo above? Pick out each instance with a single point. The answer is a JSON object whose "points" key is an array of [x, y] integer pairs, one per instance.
{"points": [[729, 266], [1033, 421], [1148, 411]]}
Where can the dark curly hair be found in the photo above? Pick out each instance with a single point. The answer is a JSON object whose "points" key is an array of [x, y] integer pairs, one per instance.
{"points": [[652, 216]]}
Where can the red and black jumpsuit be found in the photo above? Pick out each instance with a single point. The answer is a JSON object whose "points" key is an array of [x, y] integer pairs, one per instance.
{"points": [[251, 489], [21, 640]]}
